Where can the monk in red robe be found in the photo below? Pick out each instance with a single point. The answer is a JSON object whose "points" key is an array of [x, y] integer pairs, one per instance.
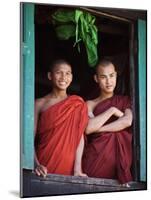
{"points": [[108, 152], [60, 121]]}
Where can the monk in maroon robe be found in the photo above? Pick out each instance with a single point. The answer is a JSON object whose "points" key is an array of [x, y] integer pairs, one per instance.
{"points": [[60, 121], [108, 152]]}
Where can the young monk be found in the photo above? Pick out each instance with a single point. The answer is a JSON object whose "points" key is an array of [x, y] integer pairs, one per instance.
{"points": [[108, 152], [60, 121]]}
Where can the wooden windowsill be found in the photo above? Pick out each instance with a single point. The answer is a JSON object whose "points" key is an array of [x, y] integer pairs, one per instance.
{"points": [[55, 184]]}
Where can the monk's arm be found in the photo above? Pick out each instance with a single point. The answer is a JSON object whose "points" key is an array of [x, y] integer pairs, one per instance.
{"points": [[36, 116], [39, 169], [95, 123], [120, 124], [78, 159]]}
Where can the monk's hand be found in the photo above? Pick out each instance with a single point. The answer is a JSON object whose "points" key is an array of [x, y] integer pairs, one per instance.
{"points": [[117, 112], [41, 170]]}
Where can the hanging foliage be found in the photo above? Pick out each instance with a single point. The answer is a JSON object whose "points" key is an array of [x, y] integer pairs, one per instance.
{"points": [[78, 24]]}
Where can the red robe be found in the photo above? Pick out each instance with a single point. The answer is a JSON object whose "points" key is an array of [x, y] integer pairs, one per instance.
{"points": [[60, 128], [109, 154]]}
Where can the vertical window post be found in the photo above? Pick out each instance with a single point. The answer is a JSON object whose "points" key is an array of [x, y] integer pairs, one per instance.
{"points": [[27, 85], [142, 95]]}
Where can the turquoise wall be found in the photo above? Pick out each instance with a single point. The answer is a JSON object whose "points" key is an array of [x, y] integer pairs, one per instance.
{"points": [[142, 95], [27, 85]]}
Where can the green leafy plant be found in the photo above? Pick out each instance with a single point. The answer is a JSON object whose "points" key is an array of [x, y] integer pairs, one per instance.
{"points": [[81, 25]]}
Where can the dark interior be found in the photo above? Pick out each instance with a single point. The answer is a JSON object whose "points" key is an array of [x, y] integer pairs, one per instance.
{"points": [[113, 43]]}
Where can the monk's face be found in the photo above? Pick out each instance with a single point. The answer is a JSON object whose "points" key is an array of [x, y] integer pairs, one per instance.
{"points": [[106, 78], [61, 76]]}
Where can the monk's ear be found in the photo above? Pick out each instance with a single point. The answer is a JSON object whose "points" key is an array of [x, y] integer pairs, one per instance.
{"points": [[49, 76], [95, 78], [116, 73]]}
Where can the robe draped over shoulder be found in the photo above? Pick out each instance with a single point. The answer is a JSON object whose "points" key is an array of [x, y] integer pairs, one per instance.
{"points": [[60, 128], [109, 154]]}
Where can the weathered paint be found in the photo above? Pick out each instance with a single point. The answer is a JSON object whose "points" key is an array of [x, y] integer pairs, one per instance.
{"points": [[142, 95], [27, 86]]}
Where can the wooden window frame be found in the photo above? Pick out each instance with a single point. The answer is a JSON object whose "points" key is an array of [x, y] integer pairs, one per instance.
{"points": [[134, 93]]}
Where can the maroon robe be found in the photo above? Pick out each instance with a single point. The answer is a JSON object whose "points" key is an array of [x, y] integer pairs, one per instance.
{"points": [[109, 154]]}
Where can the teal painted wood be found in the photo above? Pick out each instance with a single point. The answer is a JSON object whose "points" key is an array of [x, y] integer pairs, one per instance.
{"points": [[142, 95], [27, 86]]}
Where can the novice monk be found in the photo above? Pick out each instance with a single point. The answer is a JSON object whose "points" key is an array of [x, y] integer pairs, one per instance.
{"points": [[60, 121], [108, 152]]}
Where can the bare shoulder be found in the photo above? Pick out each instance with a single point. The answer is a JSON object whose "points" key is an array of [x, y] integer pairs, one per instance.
{"points": [[40, 102], [90, 102], [90, 105]]}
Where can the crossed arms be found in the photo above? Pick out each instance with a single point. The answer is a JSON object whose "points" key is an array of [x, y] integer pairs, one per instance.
{"points": [[96, 124]]}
